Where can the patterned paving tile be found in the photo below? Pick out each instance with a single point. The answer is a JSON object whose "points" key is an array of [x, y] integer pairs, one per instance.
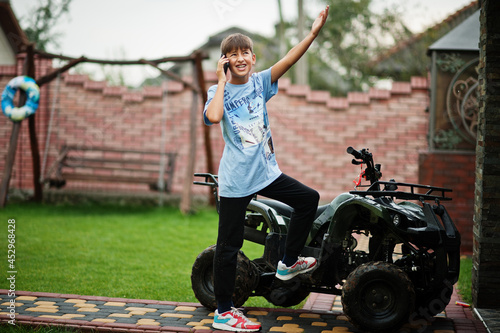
{"points": [[124, 315]]}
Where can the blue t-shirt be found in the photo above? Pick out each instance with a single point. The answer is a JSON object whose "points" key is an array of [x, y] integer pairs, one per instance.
{"points": [[248, 163]]}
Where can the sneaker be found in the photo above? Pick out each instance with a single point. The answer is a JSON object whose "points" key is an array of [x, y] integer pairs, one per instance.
{"points": [[302, 265], [234, 320]]}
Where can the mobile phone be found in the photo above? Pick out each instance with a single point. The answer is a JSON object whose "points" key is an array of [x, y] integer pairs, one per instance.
{"points": [[226, 65]]}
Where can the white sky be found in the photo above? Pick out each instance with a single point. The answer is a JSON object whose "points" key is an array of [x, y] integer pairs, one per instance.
{"points": [[118, 29]]}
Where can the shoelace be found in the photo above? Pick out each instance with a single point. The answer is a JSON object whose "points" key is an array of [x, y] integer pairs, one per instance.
{"points": [[238, 313], [301, 261]]}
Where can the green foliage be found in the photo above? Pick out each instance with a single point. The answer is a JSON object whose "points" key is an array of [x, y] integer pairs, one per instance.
{"points": [[353, 36], [341, 59], [42, 20]]}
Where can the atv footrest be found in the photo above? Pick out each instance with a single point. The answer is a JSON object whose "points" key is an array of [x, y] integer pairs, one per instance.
{"points": [[311, 252]]}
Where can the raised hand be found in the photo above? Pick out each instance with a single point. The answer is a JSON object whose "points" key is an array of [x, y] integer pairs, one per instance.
{"points": [[320, 21]]}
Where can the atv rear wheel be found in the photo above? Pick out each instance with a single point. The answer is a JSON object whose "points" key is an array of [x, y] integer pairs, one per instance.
{"points": [[202, 279], [378, 297]]}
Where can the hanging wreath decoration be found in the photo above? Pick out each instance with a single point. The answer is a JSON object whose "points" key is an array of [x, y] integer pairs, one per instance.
{"points": [[29, 86]]}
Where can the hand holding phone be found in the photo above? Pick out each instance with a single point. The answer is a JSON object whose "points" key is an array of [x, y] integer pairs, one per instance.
{"points": [[226, 65]]}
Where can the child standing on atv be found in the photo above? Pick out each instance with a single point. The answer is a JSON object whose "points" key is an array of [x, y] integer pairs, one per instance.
{"points": [[248, 167]]}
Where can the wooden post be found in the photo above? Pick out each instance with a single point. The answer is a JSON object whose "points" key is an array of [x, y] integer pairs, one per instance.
{"points": [[35, 154], [9, 163], [203, 93], [188, 178], [206, 129], [28, 69]]}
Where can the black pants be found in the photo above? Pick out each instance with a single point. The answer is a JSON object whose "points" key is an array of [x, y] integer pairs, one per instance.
{"points": [[303, 199]]}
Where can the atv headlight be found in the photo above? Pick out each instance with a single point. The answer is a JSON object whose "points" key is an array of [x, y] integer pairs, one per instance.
{"points": [[396, 220]]}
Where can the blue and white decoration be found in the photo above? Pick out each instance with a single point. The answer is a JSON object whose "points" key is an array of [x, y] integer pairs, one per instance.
{"points": [[29, 86]]}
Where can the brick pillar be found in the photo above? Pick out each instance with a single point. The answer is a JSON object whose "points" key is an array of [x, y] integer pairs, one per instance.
{"points": [[486, 257]]}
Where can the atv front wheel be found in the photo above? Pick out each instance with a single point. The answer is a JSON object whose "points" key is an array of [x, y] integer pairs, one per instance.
{"points": [[378, 297], [202, 279], [432, 298], [433, 301]]}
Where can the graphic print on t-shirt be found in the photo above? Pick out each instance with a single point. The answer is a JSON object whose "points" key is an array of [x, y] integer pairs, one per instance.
{"points": [[269, 148], [248, 119]]}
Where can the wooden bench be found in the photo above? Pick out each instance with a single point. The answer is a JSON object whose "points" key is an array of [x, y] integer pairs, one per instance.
{"points": [[108, 164]]}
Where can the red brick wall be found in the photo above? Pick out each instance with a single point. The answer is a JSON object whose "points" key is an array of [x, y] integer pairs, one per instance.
{"points": [[311, 129], [22, 176], [453, 170]]}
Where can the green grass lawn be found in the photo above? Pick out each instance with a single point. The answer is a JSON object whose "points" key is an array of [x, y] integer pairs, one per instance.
{"points": [[464, 280], [39, 329], [114, 251], [118, 251]]}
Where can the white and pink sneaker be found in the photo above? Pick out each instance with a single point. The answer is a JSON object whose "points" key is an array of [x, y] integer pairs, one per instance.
{"points": [[302, 265], [234, 320]]}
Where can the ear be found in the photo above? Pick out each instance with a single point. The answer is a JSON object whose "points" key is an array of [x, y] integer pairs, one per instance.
{"points": [[253, 58]]}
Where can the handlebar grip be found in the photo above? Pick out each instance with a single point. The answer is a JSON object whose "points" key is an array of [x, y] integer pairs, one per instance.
{"points": [[354, 153]]}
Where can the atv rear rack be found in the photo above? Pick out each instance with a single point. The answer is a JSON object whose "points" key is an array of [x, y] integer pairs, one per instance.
{"points": [[390, 190], [213, 182], [210, 180]]}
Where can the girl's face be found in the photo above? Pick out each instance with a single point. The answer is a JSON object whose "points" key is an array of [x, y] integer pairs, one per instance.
{"points": [[240, 64]]}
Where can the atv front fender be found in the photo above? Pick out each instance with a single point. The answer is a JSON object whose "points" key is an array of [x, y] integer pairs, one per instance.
{"points": [[274, 221], [346, 208]]}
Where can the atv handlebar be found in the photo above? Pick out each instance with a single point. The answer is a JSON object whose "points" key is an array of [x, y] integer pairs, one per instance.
{"points": [[354, 153], [372, 172]]}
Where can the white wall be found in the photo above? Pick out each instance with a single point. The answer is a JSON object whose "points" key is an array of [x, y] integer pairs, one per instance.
{"points": [[7, 56]]}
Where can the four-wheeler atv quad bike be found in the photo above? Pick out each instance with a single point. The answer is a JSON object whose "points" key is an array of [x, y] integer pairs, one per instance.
{"points": [[390, 254]]}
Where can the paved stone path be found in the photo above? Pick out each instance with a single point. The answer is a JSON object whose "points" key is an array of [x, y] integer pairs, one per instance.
{"points": [[321, 314]]}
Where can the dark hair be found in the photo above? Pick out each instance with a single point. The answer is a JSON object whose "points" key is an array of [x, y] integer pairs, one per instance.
{"points": [[236, 41]]}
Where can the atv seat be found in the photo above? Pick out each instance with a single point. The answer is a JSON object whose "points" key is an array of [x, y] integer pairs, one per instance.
{"points": [[285, 210]]}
